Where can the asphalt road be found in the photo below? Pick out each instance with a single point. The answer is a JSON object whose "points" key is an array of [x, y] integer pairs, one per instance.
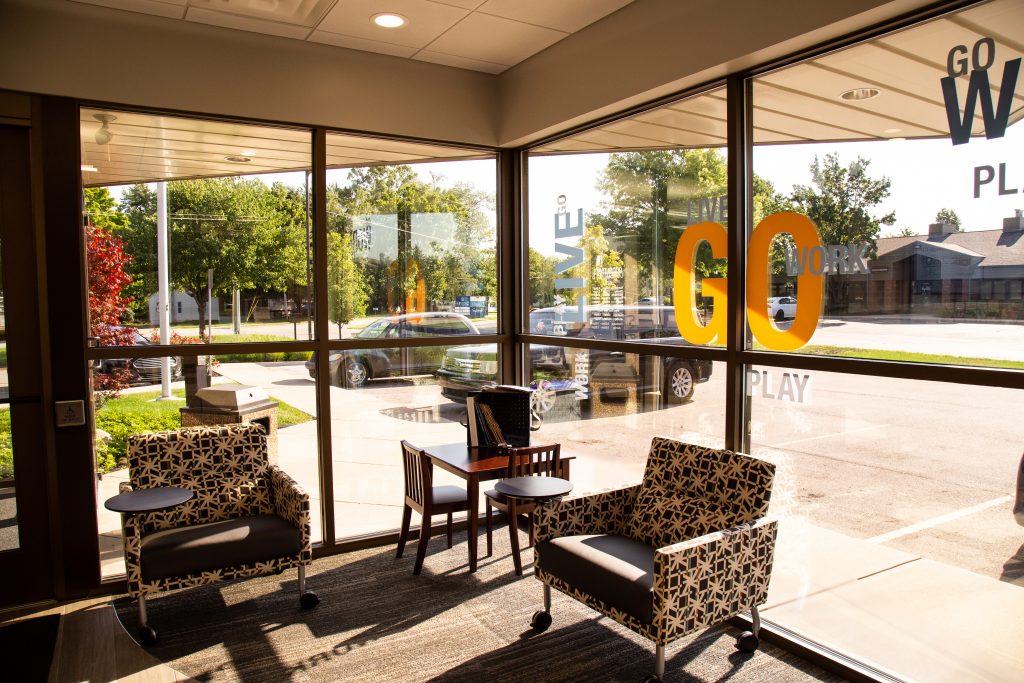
{"points": [[1004, 341]]}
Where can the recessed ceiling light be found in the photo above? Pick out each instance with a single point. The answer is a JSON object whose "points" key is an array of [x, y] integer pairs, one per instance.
{"points": [[860, 94], [388, 20], [237, 159], [89, 168]]}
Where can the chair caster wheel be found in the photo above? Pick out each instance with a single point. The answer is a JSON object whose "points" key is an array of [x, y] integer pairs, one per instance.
{"points": [[147, 634], [652, 679], [540, 622], [747, 642], [309, 600]]}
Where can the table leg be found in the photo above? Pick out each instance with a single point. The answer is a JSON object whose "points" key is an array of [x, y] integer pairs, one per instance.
{"points": [[473, 487]]}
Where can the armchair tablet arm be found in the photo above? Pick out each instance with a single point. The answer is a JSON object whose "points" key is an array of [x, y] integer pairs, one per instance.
{"points": [[598, 513], [291, 502], [709, 579]]}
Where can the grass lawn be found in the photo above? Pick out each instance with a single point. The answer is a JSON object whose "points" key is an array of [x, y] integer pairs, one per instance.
{"points": [[257, 357], [145, 403], [139, 412], [904, 356]]}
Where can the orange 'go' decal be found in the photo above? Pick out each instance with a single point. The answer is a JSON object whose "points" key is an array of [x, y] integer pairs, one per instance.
{"points": [[809, 285]]}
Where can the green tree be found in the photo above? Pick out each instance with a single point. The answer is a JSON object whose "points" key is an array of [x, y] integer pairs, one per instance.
{"points": [[290, 252], [347, 291], [653, 195], [542, 279], [840, 203], [599, 259], [220, 225], [948, 216], [448, 264], [486, 274]]}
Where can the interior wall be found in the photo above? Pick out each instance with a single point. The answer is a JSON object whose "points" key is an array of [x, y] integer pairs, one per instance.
{"points": [[653, 48], [64, 48]]}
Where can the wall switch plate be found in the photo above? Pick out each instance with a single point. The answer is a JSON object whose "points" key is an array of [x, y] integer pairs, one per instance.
{"points": [[70, 413]]}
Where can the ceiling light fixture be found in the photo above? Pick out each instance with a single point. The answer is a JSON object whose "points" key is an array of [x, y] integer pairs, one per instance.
{"points": [[892, 131], [860, 94], [389, 20], [103, 135], [237, 159], [249, 152], [89, 168]]}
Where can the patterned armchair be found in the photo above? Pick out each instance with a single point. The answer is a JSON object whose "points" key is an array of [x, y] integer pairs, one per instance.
{"points": [[687, 548], [247, 517]]}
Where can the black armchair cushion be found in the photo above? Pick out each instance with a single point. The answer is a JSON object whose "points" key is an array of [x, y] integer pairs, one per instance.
{"points": [[662, 517], [614, 569], [213, 546]]}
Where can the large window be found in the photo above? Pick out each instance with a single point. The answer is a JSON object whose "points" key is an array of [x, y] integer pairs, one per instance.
{"points": [[607, 227], [410, 238], [628, 233], [203, 232], [197, 232], [412, 285], [908, 178], [884, 226]]}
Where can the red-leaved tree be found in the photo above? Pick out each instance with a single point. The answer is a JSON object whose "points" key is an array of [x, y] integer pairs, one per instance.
{"points": [[107, 261]]}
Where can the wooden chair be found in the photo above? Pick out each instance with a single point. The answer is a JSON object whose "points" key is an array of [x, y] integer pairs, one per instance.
{"points": [[522, 462], [428, 500]]}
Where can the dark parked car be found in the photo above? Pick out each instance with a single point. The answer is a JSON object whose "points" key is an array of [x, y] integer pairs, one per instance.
{"points": [[469, 368], [472, 367], [354, 368], [141, 370]]}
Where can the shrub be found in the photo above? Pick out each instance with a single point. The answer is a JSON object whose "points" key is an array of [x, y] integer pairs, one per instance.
{"points": [[137, 413], [122, 419], [6, 447]]}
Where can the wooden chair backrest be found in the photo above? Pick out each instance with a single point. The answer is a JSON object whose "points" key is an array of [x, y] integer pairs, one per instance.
{"points": [[536, 461], [418, 474]]}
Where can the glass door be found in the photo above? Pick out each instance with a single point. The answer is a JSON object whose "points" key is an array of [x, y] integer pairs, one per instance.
{"points": [[24, 526]]}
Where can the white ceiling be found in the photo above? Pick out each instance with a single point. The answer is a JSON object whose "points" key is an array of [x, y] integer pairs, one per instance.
{"points": [[138, 147], [796, 104], [481, 35]]}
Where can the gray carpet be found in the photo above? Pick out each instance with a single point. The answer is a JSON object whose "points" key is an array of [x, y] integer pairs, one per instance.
{"points": [[378, 622]]}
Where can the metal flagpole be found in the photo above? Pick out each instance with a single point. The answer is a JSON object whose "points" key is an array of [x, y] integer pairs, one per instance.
{"points": [[164, 304]]}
